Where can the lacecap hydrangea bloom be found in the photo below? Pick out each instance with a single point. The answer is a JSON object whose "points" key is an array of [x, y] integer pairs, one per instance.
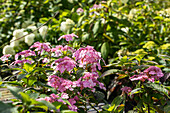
{"points": [[25, 54], [68, 37], [151, 74], [59, 49], [41, 47], [88, 55], [63, 64]]}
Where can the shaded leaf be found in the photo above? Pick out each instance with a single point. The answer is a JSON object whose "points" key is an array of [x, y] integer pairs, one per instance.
{"points": [[97, 26], [105, 50], [109, 72], [6, 108]]}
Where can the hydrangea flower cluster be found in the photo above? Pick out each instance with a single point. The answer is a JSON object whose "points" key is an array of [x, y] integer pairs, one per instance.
{"points": [[65, 62], [152, 73], [88, 55]]}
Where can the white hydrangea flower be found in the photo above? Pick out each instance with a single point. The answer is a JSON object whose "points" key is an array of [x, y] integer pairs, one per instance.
{"points": [[32, 28], [8, 50], [14, 42], [43, 30], [29, 39], [18, 33], [70, 22], [65, 26]]}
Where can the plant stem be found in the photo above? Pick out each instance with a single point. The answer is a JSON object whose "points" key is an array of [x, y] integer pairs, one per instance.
{"points": [[148, 108]]}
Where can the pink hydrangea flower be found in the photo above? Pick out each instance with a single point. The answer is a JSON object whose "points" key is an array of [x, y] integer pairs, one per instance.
{"points": [[64, 96], [68, 37], [40, 47], [141, 77], [89, 80], [5, 57], [22, 62], [61, 84], [60, 49], [63, 64], [152, 73], [126, 89], [72, 102], [25, 53], [88, 55], [79, 11]]}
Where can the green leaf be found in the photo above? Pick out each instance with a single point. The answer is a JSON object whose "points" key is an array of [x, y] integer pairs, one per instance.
{"points": [[6, 108], [136, 91], [57, 104], [21, 76], [115, 103], [124, 59], [28, 67], [159, 17], [139, 3], [68, 111], [25, 98], [97, 26], [85, 37], [167, 109], [80, 20], [109, 72], [105, 50], [15, 91], [99, 96], [31, 81], [48, 104], [43, 20], [157, 87], [34, 95]]}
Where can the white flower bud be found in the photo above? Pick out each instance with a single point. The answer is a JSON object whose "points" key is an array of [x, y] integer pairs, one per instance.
{"points": [[8, 50], [29, 39], [14, 42], [43, 30]]}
